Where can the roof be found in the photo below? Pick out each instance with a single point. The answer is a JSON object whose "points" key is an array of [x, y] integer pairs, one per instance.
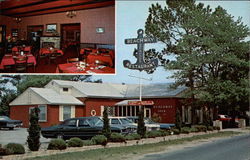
{"points": [[111, 90], [55, 98]]}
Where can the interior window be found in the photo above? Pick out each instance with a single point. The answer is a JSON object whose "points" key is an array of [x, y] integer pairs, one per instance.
{"points": [[115, 121]]}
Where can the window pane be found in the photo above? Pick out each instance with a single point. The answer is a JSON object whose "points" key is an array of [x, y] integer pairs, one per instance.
{"points": [[42, 113], [66, 112]]}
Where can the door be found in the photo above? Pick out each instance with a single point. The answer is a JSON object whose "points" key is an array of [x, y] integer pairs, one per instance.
{"points": [[147, 113], [86, 130], [68, 128]]}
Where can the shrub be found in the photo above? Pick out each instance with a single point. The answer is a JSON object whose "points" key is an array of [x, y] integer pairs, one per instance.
{"points": [[88, 142], [176, 131], [163, 133], [100, 139], [15, 148], [133, 136], [106, 127], [216, 128], [57, 144], [141, 129], [185, 130], [75, 142], [153, 134], [210, 128], [34, 129], [201, 128], [194, 129], [117, 137], [4, 151]]}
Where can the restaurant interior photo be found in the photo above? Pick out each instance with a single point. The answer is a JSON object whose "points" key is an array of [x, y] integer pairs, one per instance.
{"points": [[57, 36]]}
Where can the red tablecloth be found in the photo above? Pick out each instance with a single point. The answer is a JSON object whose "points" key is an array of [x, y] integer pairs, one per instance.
{"points": [[9, 60], [91, 58], [91, 69], [82, 51], [48, 51]]}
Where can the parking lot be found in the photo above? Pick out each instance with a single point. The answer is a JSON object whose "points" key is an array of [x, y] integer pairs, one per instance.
{"points": [[18, 135]]}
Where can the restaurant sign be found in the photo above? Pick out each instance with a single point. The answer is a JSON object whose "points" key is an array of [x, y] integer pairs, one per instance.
{"points": [[140, 63], [140, 103]]}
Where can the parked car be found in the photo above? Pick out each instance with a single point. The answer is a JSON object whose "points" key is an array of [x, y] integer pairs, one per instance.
{"points": [[82, 127], [228, 121], [6, 122], [125, 122], [150, 125]]}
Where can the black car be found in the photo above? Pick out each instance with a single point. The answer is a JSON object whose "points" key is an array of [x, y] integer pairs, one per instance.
{"points": [[82, 127], [6, 122]]}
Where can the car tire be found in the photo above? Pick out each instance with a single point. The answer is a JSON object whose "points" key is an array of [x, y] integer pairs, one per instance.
{"points": [[11, 128], [59, 136]]}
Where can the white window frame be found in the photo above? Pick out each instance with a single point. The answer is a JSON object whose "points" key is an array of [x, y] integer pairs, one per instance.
{"points": [[61, 118]]}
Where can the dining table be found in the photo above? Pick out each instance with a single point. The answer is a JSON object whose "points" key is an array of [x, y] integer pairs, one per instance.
{"points": [[8, 59], [84, 68], [48, 51], [106, 58]]}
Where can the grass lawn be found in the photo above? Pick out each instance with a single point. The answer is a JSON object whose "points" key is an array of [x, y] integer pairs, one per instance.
{"points": [[129, 151]]}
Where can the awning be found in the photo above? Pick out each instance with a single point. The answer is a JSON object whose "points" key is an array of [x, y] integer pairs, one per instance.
{"points": [[134, 103]]}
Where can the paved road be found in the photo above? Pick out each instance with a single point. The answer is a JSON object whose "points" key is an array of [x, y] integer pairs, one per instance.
{"points": [[18, 135], [236, 148]]}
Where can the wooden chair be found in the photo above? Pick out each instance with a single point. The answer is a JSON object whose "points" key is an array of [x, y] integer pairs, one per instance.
{"points": [[72, 60], [21, 64], [52, 57]]}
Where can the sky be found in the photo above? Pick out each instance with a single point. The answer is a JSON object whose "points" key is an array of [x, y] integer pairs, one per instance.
{"points": [[131, 16]]}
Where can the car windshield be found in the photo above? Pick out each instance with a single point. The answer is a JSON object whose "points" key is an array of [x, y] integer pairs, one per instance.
{"points": [[4, 118], [95, 121], [126, 121]]}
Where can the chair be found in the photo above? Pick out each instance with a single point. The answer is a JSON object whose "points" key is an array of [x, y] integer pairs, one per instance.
{"points": [[72, 60], [52, 57], [21, 64]]}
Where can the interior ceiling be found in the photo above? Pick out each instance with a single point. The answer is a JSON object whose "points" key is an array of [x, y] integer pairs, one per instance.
{"points": [[24, 8]]}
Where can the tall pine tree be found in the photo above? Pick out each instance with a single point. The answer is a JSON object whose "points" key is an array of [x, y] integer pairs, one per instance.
{"points": [[106, 127]]}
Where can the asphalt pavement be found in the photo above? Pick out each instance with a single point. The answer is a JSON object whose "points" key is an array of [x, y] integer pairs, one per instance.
{"points": [[18, 135], [234, 148]]}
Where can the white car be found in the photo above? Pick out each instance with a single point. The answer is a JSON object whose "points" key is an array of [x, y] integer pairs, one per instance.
{"points": [[148, 124]]}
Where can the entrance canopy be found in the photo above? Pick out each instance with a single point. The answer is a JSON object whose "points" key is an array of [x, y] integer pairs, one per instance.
{"points": [[134, 103]]}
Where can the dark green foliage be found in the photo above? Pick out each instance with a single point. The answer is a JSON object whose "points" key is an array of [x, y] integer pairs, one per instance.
{"points": [[34, 129], [15, 148], [75, 142], [100, 139], [201, 128], [106, 126], [216, 128], [194, 129], [210, 128], [57, 144], [211, 49], [88, 142], [176, 131], [141, 129], [185, 130], [178, 121], [133, 136], [4, 151], [156, 133], [117, 137], [206, 119]]}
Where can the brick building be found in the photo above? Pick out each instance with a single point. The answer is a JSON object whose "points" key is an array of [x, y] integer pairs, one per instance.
{"points": [[60, 100]]}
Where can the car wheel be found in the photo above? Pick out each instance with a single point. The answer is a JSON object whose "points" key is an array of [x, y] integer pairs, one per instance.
{"points": [[11, 128], [59, 136]]}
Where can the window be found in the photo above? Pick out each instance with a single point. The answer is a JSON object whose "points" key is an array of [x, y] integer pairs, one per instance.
{"points": [[71, 123], [66, 112], [42, 113], [83, 123], [65, 89], [115, 121]]}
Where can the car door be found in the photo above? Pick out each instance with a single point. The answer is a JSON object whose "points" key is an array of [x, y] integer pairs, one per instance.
{"points": [[86, 130], [69, 128]]}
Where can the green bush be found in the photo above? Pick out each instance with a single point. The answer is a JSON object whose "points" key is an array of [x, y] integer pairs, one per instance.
{"points": [[15, 148], [163, 133], [117, 137], [100, 139], [185, 130], [201, 128], [4, 151], [216, 128], [176, 131], [57, 144], [88, 142], [153, 134], [194, 129], [210, 128], [133, 136], [75, 142]]}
